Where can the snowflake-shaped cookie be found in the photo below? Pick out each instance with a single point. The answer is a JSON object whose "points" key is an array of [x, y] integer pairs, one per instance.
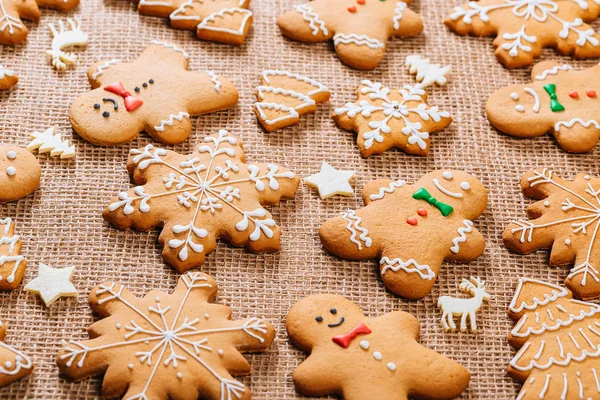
{"points": [[198, 198], [165, 344], [224, 21], [524, 27], [385, 118], [566, 221]]}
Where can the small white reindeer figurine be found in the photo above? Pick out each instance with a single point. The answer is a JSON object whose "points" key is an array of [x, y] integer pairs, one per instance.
{"points": [[464, 308], [65, 38]]}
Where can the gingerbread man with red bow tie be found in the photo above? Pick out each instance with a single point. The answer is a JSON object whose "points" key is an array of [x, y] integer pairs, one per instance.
{"points": [[362, 358], [155, 93]]}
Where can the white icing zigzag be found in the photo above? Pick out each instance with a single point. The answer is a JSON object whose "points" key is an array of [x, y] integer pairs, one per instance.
{"points": [[320, 87], [292, 113], [215, 80], [106, 65], [557, 292], [468, 228], [400, 7], [424, 271], [359, 40], [221, 14], [171, 121], [313, 19], [170, 46], [553, 71], [354, 227], [571, 123], [389, 189]]}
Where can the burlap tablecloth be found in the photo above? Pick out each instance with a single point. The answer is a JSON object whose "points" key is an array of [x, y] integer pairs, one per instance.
{"points": [[61, 223]]}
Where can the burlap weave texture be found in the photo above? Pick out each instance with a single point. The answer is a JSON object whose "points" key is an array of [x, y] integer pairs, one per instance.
{"points": [[61, 223]]}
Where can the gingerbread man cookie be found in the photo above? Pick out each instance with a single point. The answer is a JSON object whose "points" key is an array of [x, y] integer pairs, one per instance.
{"points": [[386, 118], [558, 340], [224, 21], [560, 100], [8, 78], [155, 93], [412, 228], [359, 28], [20, 173], [367, 358], [166, 346], [525, 27], [12, 263], [201, 197], [13, 363], [566, 219], [12, 29]]}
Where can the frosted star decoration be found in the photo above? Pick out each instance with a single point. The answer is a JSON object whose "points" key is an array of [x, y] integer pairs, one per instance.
{"points": [[201, 197], [524, 27], [52, 284], [330, 181], [161, 344]]}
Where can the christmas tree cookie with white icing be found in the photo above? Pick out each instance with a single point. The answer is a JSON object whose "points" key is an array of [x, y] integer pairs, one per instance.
{"points": [[166, 346], [566, 220], [524, 27], [13, 363], [384, 118], [359, 29], [560, 100], [12, 28], [412, 229], [155, 93], [223, 21], [8, 78], [357, 357], [20, 173], [558, 342], [201, 197]]}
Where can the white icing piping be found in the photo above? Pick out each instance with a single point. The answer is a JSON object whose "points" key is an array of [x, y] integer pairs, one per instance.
{"points": [[215, 80], [387, 190], [212, 18], [400, 7], [556, 293], [559, 323], [536, 98], [398, 264], [314, 22], [11, 241], [179, 117], [571, 123], [468, 228], [442, 189], [302, 78], [306, 100], [170, 46], [359, 40], [292, 113], [553, 71], [5, 72], [104, 66], [175, 14], [354, 227]]}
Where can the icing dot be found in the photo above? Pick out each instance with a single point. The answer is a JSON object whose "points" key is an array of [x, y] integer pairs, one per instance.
{"points": [[157, 299], [391, 366], [179, 375], [447, 175], [130, 366], [151, 81], [364, 344], [422, 212], [145, 85], [8, 364], [106, 114], [546, 203], [137, 89], [352, 9], [97, 106], [567, 241], [591, 93], [520, 108], [220, 352], [377, 355], [465, 185], [118, 325], [587, 177], [206, 316], [360, 1], [573, 94], [146, 342], [10, 171], [11, 155], [514, 96], [412, 221]]}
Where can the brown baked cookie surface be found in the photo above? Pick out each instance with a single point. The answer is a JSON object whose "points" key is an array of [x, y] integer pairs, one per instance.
{"points": [[20, 173]]}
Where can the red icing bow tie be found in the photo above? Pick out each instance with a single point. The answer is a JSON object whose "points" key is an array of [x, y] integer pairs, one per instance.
{"points": [[131, 103], [344, 340]]}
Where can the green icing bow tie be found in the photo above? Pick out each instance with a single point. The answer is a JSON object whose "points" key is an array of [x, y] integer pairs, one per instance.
{"points": [[423, 194], [555, 106]]}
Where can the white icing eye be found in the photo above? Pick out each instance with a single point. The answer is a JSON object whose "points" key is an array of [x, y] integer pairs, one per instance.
{"points": [[465, 186], [11, 155], [10, 171], [514, 96], [520, 108], [447, 175]]}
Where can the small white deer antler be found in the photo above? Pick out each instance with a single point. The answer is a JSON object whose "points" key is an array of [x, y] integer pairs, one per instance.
{"points": [[65, 38]]}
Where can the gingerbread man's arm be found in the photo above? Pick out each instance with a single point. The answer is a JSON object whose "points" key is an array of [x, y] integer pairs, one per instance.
{"points": [[308, 376], [467, 243], [14, 30], [61, 5], [406, 22], [304, 24]]}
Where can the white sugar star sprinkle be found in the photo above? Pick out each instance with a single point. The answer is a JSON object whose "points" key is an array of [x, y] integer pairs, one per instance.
{"points": [[331, 182], [52, 283]]}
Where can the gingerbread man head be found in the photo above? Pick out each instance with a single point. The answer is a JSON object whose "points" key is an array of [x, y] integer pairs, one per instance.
{"points": [[346, 347], [155, 93], [412, 228], [20, 173], [560, 100]]}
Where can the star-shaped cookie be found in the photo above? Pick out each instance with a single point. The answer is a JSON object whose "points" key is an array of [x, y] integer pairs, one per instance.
{"points": [[330, 181], [359, 29], [52, 284]]}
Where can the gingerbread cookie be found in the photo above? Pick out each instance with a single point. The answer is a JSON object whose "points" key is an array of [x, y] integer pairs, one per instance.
{"points": [[8, 78], [359, 28], [385, 118], [12, 263], [165, 346], [223, 21], [20, 173], [565, 220], [560, 100], [412, 228], [283, 97], [13, 363], [12, 29], [155, 93], [201, 197], [558, 340], [525, 27], [367, 358], [464, 308]]}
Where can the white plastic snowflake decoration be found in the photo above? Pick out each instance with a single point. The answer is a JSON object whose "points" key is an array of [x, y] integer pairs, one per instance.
{"points": [[568, 221], [166, 343], [386, 118], [203, 196]]}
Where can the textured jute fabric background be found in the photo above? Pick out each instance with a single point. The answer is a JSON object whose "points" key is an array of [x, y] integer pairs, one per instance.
{"points": [[61, 223]]}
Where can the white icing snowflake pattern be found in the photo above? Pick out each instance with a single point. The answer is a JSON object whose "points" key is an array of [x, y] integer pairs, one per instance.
{"points": [[167, 338], [207, 182]]}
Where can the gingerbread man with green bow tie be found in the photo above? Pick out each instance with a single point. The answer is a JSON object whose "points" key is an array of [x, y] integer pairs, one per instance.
{"points": [[412, 229]]}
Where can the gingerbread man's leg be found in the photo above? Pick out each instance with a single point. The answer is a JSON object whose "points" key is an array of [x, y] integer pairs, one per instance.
{"points": [[361, 51], [577, 135], [409, 25], [171, 127]]}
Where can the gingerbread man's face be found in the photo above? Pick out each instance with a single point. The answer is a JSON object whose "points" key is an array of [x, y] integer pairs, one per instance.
{"points": [[19, 173], [317, 319]]}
